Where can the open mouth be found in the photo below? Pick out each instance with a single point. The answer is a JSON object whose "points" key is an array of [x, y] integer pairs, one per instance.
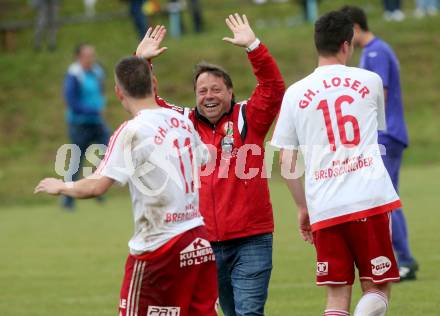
{"points": [[210, 105]]}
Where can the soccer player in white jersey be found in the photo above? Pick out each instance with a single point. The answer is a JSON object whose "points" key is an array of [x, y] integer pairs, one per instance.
{"points": [[332, 116], [171, 268]]}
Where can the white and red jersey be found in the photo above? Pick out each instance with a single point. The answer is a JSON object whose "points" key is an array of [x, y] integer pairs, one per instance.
{"points": [[158, 153], [332, 116]]}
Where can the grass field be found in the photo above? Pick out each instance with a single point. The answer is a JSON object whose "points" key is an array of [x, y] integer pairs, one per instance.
{"points": [[58, 263]]}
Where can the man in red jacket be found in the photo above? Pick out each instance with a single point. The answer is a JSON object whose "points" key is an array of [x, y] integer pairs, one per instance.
{"points": [[234, 195]]}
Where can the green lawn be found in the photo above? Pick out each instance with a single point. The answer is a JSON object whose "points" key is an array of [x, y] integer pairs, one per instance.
{"points": [[58, 263]]}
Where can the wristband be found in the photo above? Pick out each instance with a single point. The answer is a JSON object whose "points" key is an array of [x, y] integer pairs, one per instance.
{"points": [[253, 46]]}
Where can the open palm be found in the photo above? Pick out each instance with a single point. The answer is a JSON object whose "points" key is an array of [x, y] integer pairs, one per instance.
{"points": [[240, 28], [149, 47]]}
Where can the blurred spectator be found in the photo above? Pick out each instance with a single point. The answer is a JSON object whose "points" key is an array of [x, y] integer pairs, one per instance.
{"points": [[139, 18], [424, 7], [84, 97], [175, 17], [393, 10], [196, 13], [46, 22], [310, 10], [89, 6], [175, 8]]}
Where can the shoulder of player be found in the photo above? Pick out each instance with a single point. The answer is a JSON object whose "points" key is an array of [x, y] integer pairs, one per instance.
{"points": [[365, 73], [370, 78]]}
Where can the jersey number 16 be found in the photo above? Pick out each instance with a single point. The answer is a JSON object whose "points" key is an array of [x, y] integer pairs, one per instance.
{"points": [[341, 120]]}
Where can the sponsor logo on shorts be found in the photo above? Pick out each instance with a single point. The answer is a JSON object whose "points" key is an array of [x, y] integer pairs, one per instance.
{"points": [[163, 311], [380, 265], [197, 252], [321, 268], [123, 303]]}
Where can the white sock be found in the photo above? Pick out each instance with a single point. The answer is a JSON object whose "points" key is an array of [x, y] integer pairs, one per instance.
{"points": [[335, 312], [372, 303]]}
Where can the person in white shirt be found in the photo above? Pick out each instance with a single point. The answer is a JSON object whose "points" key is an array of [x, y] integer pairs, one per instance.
{"points": [[171, 268], [332, 117]]}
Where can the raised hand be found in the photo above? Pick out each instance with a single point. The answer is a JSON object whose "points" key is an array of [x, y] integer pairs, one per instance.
{"points": [[240, 28], [49, 185], [149, 47]]}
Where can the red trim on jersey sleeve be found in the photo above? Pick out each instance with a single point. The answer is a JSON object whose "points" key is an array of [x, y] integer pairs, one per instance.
{"points": [[109, 150], [164, 104], [357, 215], [159, 251]]}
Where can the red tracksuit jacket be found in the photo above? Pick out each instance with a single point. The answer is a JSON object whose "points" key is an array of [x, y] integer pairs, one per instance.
{"points": [[234, 198]]}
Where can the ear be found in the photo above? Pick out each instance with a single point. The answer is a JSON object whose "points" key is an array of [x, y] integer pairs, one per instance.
{"points": [[155, 82], [345, 47], [118, 92]]}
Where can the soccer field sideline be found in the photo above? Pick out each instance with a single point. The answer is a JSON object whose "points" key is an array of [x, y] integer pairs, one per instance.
{"points": [[57, 263]]}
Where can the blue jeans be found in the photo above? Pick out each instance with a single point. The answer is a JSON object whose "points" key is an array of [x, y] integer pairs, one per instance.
{"points": [[85, 135], [244, 266]]}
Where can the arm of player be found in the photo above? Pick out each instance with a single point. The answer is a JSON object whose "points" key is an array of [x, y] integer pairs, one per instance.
{"points": [[89, 187], [288, 158], [265, 101], [150, 48]]}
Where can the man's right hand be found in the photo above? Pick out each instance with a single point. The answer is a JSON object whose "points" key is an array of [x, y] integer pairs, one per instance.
{"points": [[305, 229], [149, 47]]}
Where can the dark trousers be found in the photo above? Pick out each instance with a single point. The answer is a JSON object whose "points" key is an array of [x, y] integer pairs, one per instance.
{"points": [[392, 5], [392, 161], [84, 135], [196, 12], [139, 18], [46, 23]]}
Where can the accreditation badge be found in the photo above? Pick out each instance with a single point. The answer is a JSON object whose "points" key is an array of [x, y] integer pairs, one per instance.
{"points": [[227, 142]]}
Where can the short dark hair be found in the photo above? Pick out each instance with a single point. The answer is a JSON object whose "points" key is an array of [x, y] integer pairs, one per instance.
{"points": [[331, 31], [357, 16], [215, 70], [134, 76], [79, 48]]}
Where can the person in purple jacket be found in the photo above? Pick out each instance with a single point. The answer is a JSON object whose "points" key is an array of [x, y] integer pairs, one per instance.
{"points": [[377, 56]]}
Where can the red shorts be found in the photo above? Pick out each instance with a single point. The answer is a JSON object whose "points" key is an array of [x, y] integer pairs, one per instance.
{"points": [[365, 243], [178, 279]]}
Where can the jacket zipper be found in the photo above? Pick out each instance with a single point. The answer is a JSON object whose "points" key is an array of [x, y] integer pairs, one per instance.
{"points": [[212, 193]]}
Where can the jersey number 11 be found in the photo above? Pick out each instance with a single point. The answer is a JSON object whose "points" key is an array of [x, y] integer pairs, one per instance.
{"points": [[189, 183]]}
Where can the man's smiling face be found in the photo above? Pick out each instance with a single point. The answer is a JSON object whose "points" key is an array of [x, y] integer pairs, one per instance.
{"points": [[213, 96]]}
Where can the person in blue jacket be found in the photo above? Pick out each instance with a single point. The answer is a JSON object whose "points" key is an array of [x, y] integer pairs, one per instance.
{"points": [[85, 103], [377, 56]]}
